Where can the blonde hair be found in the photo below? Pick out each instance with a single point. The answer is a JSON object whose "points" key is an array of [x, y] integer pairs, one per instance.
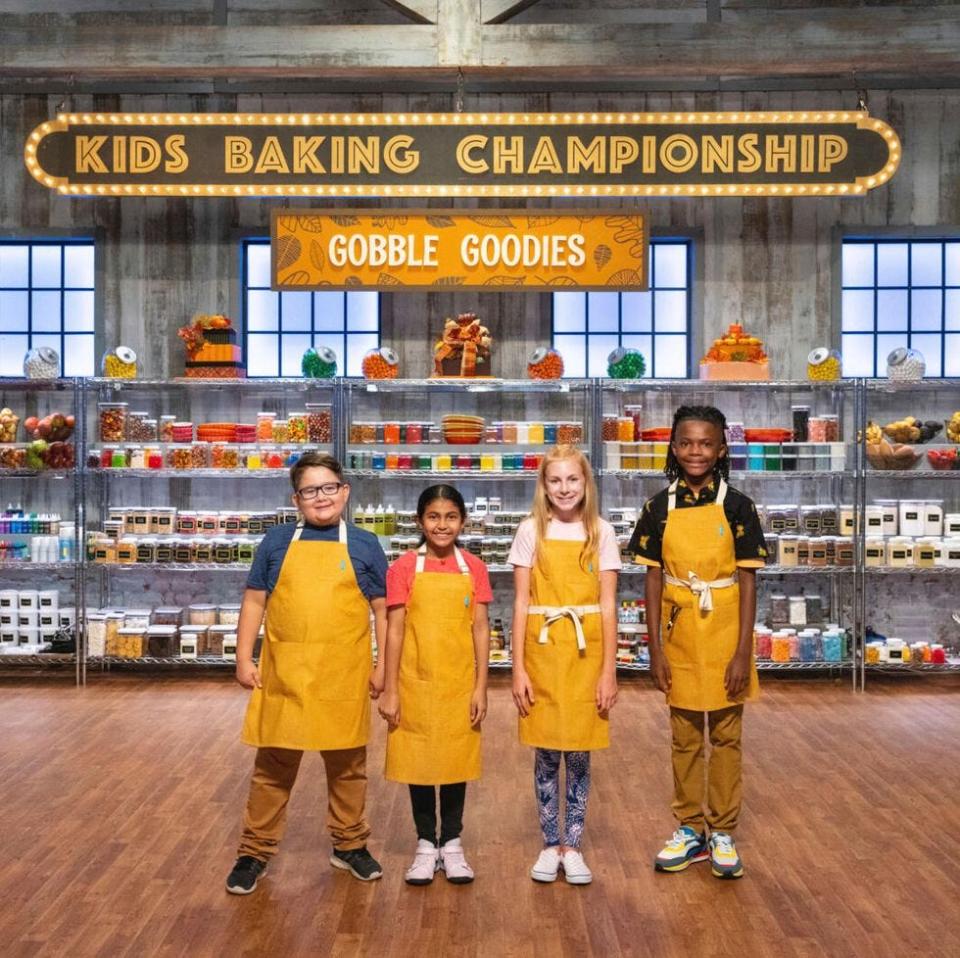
{"points": [[589, 510]]}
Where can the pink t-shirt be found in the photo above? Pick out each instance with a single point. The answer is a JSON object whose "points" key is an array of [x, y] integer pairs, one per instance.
{"points": [[524, 548], [401, 573]]}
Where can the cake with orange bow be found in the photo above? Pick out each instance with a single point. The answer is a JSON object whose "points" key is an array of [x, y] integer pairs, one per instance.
{"points": [[212, 350], [463, 350], [736, 356]]}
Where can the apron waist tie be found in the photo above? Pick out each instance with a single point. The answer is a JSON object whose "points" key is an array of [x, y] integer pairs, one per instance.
{"points": [[702, 588], [554, 613]]}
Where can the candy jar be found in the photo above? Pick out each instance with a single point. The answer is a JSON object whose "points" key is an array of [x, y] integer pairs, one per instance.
{"points": [[906, 365], [42, 362], [545, 363], [625, 363], [382, 363], [320, 363], [120, 363], [823, 364]]}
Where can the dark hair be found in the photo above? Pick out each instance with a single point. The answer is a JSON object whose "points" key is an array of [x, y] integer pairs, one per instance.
{"points": [[309, 460], [708, 414], [440, 491]]}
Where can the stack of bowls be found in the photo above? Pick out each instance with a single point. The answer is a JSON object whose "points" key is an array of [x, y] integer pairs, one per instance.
{"points": [[462, 430]]}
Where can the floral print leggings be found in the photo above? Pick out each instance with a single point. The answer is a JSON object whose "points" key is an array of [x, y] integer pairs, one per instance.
{"points": [[546, 774]]}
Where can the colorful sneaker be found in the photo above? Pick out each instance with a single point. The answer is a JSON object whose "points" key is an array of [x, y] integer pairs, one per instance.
{"points": [[454, 864], [724, 860], [247, 871], [358, 861], [547, 865], [683, 849], [425, 864], [575, 868]]}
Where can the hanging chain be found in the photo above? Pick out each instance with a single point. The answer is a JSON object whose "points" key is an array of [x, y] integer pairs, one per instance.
{"points": [[458, 102]]}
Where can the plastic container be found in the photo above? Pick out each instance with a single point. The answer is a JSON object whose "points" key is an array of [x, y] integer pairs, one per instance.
{"points": [[112, 419]]}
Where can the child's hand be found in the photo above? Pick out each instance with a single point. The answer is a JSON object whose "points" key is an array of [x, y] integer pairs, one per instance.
{"points": [[248, 675], [378, 678], [606, 693], [737, 676], [389, 708], [522, 693], [660, 673], [478, 706]]}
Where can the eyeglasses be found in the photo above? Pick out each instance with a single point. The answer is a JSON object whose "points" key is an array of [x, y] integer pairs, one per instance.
{"points": [[328, 489]]}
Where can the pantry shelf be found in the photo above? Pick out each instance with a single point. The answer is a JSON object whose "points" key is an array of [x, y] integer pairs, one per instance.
{"points": [[36, 474], [926, 667], [47, 658], [174, 566], [63, 568], [912, 570], [945, 474], [734, 474], [204, 661], [524, 474], [770, 570], [125, 473]]}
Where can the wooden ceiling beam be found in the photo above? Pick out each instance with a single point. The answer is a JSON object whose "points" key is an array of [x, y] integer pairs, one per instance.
{"points": [[417, 11], [500, 11]]}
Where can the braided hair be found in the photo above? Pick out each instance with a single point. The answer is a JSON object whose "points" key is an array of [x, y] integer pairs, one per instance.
{"points": [[710, 414]]}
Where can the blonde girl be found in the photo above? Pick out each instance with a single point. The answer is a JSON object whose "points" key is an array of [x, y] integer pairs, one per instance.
{"points": [[565, 560]]}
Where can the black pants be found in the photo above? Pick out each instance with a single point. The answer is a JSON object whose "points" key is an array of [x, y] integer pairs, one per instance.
{"points": [[423, 798]]}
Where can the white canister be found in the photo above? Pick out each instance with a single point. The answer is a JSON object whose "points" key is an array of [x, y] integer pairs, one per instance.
{"points": [[874, 519], [911, 517], [611, 455], [876, 553], [28, 637], [48, 599], [933, 517], [9, 600], [846, 520], [798, 610], [899, 552], [47, 635], [96, 634], [8, 619], [890, 510], [8, 638], [951, 552], [838, 456], [47, 619], [230, 647], [788, 550], [895, 649], [29, 599], [951, 527], [28, 619], [188, 646], [66, 617]]}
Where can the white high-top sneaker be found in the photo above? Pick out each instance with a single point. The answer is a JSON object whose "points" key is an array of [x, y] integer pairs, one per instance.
{"points": [[425, 864], [454, 864]]}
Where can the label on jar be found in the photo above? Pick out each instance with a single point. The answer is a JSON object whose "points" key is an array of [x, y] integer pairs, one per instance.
{"points": [[164, 522], [164, 553], [898, 554], [953, 555], [874, 522], [911, 516]]}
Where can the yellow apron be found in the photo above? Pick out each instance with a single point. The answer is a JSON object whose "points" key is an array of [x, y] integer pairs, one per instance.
{"points": [[434, 744], [316, 657], [701, 605], [563, 651]]}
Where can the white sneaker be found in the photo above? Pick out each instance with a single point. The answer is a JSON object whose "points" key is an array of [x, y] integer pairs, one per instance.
{"points": [[425, 864], [575, 868], [454, 864], [546, 866]]}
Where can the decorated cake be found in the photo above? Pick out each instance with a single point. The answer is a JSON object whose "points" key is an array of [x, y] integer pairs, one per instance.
{"points": [[212, 350], [464, 348], [735, 356]]}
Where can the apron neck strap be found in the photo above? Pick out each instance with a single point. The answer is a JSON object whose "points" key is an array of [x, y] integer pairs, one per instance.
{"points": [[422, 558], [672, 494], [341, 531]]}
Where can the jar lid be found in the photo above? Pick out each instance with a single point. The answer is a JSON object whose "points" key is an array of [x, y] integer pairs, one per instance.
{"points": [[898, 356], [538, 355], [388, 355], [48, 355], [125, 354], [818, 356]]}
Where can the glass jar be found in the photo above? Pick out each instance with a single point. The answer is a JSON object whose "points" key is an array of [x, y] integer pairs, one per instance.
{"points": [[141, 427], [41, 362], [319, 422], [297, 427], [112, 419], [119, 363], [202, 614], [179, 457], [165, 430], [823, 364], [265, 421], [906, 365]]}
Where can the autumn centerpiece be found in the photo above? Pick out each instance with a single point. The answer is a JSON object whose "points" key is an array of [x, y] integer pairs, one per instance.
{"points": [[212, 350], [464, 348], [736, 356]]}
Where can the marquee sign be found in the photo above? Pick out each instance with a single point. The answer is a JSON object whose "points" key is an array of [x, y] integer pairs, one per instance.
{"points": [[529, 155], [478, 249]]}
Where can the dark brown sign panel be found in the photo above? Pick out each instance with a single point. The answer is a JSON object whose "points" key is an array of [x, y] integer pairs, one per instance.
{"points": [[448, 155]]}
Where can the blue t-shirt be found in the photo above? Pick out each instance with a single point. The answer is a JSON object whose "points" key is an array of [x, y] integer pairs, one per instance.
{"points": [[366, 556]]}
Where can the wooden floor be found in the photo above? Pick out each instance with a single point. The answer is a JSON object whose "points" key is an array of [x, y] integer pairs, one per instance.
{"points": [[121, 807]]}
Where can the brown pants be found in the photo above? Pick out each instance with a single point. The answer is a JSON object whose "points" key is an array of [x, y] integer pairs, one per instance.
{"points": [[723, 773], [274, 773]]}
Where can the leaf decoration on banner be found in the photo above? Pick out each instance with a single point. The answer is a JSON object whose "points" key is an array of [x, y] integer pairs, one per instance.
{"points": [[385, 279], [345, 220], [495, 221], [310, 224], [317, 258], [450, 281], [557, 281], [353, 281], [297, 277], [505, 281], [629, 229], [286, 224], [441, 222], [533, 222], [288, 251], [602, 255], [625, 277]]}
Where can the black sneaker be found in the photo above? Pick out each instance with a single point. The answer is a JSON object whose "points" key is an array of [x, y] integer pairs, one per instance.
{"points": [[245, 875], [358, 861]]}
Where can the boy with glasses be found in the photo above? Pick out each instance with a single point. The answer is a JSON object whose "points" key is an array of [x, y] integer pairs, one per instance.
{"points": [[317, 582]]}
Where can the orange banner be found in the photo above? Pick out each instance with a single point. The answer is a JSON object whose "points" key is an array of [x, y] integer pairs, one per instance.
{"points": [[518, 249]]}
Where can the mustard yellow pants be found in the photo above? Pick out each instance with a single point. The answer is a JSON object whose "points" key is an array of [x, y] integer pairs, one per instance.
{"points": [[275, 771], [691, 770]]}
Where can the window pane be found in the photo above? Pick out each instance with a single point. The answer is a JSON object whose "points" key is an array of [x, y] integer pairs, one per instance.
{"points": [[357, 347], [892, 264], [295, 312], [926, 307], [14, 266], [929, 345], [78, 356], [598, 349], [78, 266], [46, 266], [569, 312], [857, 264], [13, 309], [886, 344], [891, 309], [262, 355], [670, 265], [293, 346], [671, 357], [78, 312], [953, 265], [857, 355], [636, 312], [332, 341], [952, 361], [363, 311], [951, 314], [572, 350], [857, 310], [12, 350], [670, 312], [262, 312], [45, 311], [645, 345], [328, 311], [258, 265], [603, 312], [926, 268]]}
